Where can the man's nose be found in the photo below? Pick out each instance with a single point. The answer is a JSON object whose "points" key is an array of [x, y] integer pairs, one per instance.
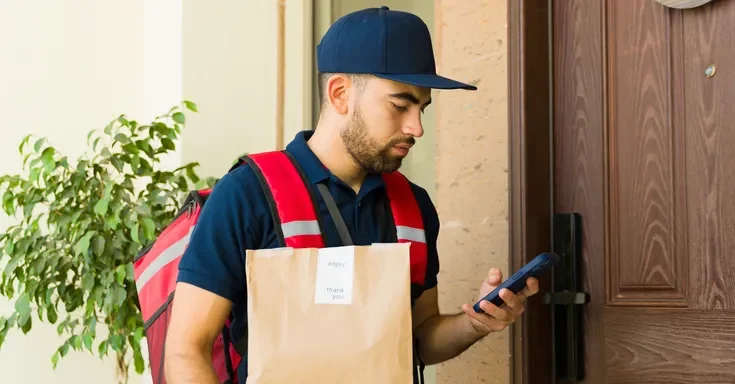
{"points": [[414, 127]]}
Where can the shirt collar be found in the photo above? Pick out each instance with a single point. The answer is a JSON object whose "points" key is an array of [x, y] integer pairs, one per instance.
{"points": [[315, 171]]}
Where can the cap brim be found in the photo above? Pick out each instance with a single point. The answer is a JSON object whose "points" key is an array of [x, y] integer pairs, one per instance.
{"points": [[426, 80]]}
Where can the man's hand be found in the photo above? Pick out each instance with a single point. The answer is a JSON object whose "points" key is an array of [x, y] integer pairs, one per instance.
{"points": [[495, 318], [442, 337]]}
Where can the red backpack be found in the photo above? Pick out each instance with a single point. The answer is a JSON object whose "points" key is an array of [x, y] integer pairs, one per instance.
{"points": [[297, 226]]}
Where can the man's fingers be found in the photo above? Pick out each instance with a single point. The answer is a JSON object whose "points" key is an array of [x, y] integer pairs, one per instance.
{"points": [[498, 318], [488, 320], [513, 302], [509, 298], [479, 317], [491, 309], [494, 276], [531, 288]]}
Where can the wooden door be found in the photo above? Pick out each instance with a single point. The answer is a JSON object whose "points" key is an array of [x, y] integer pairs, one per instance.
{"points": [[644, 150]]}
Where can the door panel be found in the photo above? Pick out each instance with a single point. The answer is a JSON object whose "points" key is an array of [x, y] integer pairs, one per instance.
{"points": [[709, 38], [644, 150], [660, 346], [646, 254]]}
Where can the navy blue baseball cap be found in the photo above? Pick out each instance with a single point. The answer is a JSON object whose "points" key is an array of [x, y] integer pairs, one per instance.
{"points": [[390, 44]]}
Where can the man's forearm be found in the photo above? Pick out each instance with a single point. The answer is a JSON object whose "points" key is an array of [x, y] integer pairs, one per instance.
{"points": [[444, 337], [189, 367]]}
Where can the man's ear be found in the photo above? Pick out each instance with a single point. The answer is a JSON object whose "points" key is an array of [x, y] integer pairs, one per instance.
{"points": [[337, 93]]}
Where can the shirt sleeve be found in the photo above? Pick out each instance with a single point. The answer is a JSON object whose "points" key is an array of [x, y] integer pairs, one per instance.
{"points": [[226, 228], [431, 230]]}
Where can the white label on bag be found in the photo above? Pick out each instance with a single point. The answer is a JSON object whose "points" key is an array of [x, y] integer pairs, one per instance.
{"points": [[335, 272]]}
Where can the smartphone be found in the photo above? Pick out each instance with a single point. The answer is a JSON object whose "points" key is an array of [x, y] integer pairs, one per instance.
{"points": [[517, 282]]}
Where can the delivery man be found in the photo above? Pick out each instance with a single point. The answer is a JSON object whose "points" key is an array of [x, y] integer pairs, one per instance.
{"points": [[376, 74]]}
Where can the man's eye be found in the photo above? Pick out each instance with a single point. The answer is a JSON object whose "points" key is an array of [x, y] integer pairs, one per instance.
{"points": [[400, 108]]}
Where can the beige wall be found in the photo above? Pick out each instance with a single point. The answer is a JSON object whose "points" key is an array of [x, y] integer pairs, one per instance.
{"points": [[229, 70], [66, 68], [472, 171]]}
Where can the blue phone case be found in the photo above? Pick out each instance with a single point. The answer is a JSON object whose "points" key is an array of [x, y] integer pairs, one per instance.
{"points": [[517, 282]]}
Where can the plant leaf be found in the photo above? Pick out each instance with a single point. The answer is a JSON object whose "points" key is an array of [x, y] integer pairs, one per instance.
{"points": [[96, 143], [10, 268], [119, 295], [100, 207], [179, 117], [131, 148], [149, 228], [82, 246], [88, 282], [120, 274], [192, 175], [39, 143], [168, 144], [23, 143], [116, 342], [88, 341], [75, 342], [23, 306], [27, 325], [98, 245], [52, 315], [139, 362], [191, 106], [49, 164], [134, 232], [102, 348], [38, 264], [122, 138]]}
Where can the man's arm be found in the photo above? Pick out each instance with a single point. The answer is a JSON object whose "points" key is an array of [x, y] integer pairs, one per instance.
{"points": [[211, 280], [443, 337], [197, 319]]}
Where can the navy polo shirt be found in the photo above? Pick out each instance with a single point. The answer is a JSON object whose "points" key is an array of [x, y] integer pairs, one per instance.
{"points": [[236, 218]]}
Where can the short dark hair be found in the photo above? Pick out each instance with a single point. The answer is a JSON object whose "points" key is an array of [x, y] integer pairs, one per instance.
{"points": [[323, 77]]}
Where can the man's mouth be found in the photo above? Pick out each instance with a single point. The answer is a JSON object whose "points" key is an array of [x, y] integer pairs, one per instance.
{"points": [[402, 149]]}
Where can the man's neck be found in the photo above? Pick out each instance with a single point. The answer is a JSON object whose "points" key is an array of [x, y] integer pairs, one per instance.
{"points": [[329, 148]]}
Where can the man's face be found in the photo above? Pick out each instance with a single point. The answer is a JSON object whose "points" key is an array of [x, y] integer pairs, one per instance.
{"points": [[385, 121]]}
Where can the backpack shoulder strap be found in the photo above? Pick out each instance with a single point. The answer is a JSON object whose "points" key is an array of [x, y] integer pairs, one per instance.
{"points": [[291, 201], [409, 222]]}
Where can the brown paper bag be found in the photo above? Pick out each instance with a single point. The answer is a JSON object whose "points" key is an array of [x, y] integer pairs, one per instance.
{"points": [[332, 315]]}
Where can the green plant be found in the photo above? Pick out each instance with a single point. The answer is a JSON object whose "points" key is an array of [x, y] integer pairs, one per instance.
{"points": [[68, 259]]}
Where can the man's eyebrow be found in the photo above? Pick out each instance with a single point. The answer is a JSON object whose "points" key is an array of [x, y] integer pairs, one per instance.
{"points": [[409, 97]]}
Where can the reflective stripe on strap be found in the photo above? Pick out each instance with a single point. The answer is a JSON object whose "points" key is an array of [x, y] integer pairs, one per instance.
{"points": [[412, 234], [300, 228], [168, 255], [289, 199], [409, 222]]}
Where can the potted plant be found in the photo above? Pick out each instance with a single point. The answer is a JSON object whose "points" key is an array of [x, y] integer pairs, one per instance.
{"points": [[79, 224]]}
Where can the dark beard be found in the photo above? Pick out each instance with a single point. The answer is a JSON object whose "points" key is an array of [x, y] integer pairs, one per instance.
{"points": [[366, 151]]}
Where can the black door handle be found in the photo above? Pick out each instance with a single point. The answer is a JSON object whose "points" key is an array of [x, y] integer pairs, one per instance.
{"points": [[566, 298]]}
